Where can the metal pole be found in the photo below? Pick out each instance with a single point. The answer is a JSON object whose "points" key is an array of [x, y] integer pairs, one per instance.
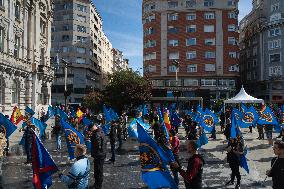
{"points": [[65, 86]]}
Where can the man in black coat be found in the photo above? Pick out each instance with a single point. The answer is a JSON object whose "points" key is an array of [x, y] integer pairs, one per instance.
{"points": [[98, 152]]}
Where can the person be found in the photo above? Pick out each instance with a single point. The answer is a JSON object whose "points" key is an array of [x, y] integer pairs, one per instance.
{"points": [[192, 135], [268, 131], [123, 121], [222, 121], [78, 177], [281, 135], [277, 166], [260, 132], [227, 131], [29, 129], [187, 123], [193, 175], [175, 145], [176, 120], [98, 152], [57, 131], [213, 133], [234, 149], [119, 133], [112, 136]]}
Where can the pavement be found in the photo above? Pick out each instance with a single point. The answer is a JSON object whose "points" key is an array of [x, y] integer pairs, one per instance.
{"points": [[125, 172]]}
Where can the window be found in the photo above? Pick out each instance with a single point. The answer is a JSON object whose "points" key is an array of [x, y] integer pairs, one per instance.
{"points": [[231, 28], [172, 4], [151, 68], [150, 43], [190, 41], [65, 49], [232, 83], [209, 15], [208, 3], [191, 16], [150, 56], [209, 28], [231, 2], [81, 29], [234, 68], [65, 37], [275, 7], [192, 68], [208, 82], [254, 51], [149, 19], [209, 54], [190, 3], [173, 69], [53, 29], [149, 31], [81, 50], [17, 10], [275, 70], [223, 82], [232, 15], [15, 93], [80, 60], [158, 83], [209, 41], [42, 56], [275, 44], [17, 47], [275, 57], [1, 5], [172, 16], [81, 8], [190, 82], [1, 39], [254, 62], [191, 28], [231, 41], [173, 42], [81, 18], [191, 55], [174, 56], [275, 17], [82, 39], [172, 29], [210, 67], [274, 32], [150, 6], [42, 27], [233, 54]]}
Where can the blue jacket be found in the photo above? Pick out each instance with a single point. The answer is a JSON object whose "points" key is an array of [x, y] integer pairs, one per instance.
{"points": [[80, 170]]}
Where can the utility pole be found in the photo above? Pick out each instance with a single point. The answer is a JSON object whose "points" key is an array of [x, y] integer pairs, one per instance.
{"points": [[177, 92], [66, 93]]}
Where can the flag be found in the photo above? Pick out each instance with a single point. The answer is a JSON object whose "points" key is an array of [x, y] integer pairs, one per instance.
{"points": [[233, 126], [106, 128], [9, 127], [175, 119], [113, 114], [16, 116], [29, 111], [107, 114], [50, 112], [61, 113], [42, 164], [243, 161], [132, 128], [145, 110], [167, 120], [208, 120], [238, 116], [250, 117], [153, 161], [202, 140], [198, 114], [39, 124], [73, 137], [282, 117], [86, 121], [266, 117], [79, 115]]}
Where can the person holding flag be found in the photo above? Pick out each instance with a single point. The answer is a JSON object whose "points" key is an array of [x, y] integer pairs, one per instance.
{"points": [[29, 131]]}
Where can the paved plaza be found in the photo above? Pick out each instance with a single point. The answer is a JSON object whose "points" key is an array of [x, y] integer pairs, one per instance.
{"points": [[125, 173]]}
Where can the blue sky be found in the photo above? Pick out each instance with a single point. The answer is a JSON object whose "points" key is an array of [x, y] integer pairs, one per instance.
{"points": [[123, 26]]}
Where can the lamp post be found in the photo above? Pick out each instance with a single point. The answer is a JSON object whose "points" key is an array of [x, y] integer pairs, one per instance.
{"points": [[176, 92], [66, 92]]}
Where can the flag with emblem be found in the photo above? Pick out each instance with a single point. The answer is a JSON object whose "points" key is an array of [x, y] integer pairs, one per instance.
{"points": [[167, 120], [79, 115], [16, 116], [266, 117], [8, 126], [208, 120]]}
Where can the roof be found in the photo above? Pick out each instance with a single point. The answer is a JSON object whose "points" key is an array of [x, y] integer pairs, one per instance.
{"points": [[243, 97]]}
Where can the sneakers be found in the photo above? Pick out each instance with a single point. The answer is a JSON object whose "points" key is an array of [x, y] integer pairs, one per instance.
{"points": [[229, 183]]}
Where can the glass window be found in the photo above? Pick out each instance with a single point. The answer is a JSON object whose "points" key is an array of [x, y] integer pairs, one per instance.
{"points": [[209, 28], [1, 39], [42, 27], [210, 67], [191, 55], [231, 2], [275, 44], [191, 16], [208, 82], [209, 41], [192, 68], [15, 93], [80, 60], [209, 15], [190, 3], [65, 38], [1, 5], [191, 28], [174, 56], [172, 29], [231, 28], [82, 39], [150, 43], [172, 16], [190, 41], [210, 54], [17, 10], [81, 50], [173, 69], [82, 29], [17, 46], [81, 8], [208, 3], [173, 42], [232, 15], [274, 32], [275, 7], [172, 4], [275, 70], [150, 56], [81, 18], [233, 54], [190, 82], [149, 6], [275, 57], [2, 90], [232, 41]]}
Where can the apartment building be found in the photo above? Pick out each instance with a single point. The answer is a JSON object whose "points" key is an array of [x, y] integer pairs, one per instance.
{"points": [[261, 42], [25, 72], [119, 62], [201, 37]]}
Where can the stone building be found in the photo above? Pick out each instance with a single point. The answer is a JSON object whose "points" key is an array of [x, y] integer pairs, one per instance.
{"points": [[201, 36], [119, 62], [261, 54], [25, 72]]}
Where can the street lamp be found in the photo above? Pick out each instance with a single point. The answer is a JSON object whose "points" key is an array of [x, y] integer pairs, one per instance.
{"points": [[176, 93], [66, 92]]}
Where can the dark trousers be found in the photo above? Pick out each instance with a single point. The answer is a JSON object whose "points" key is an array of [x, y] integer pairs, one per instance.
{"points": [[193, 185], [175, 173], [28, 149], [119, 139], [235, 172], [98, 173], [112, 148]]}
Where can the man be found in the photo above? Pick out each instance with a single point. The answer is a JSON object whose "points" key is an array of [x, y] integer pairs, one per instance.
{"points": [[277, 166], [112, 137], [57, 131], [123, 121], [28, 139], [193, 175], [78, 177], [98, 152], [175, 145], [176, 120]]}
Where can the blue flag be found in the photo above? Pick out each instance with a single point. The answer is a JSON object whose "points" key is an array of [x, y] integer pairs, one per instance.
{"points": [[153, 161], [61, 113], [233, 125], [73, 137], [282, 117], [39, 124], [208, 120], [132, 129], [107, 114], [266, 117], [113, 114], [202, 140], [50, 112], [243, 161], [42, 164], [86, 121], [29, 111], [9, 127], [145, 110]]}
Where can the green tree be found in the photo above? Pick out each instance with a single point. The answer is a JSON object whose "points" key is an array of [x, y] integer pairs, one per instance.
{"points": [[93, 101], [126, 89]]}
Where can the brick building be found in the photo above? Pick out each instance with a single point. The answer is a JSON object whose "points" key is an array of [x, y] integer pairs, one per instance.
{"points": [[201, 35]]}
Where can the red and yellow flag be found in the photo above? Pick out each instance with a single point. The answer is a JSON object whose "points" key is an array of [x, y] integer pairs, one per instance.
{"points": [[167, 121], [79, 114], [16, 116]]}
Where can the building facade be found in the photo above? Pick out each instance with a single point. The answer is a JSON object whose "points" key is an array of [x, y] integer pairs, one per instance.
{"points": [[261, 42], [107, 63], [119, 62], [201, 35], [25, 72], [78, 38]]}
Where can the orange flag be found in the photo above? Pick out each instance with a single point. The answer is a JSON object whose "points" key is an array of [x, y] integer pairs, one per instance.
{"points": [[16, 116], [79, 114], [167, 121]]}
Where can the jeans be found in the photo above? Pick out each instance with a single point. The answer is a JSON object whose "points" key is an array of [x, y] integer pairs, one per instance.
{"points": [[58, 142]]}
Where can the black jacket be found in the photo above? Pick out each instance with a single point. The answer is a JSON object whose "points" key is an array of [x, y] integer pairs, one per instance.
{"points": [[277, 173], [98, 144]]}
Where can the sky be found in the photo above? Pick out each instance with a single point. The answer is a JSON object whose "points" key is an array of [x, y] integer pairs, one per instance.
{"points": [[122, 23]]}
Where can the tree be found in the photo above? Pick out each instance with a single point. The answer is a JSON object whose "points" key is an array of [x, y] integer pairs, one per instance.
{"points": [[93, 101], [126, 89]]}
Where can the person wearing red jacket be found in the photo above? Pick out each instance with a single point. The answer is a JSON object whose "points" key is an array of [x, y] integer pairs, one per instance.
{"points": [[193, 175]]}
